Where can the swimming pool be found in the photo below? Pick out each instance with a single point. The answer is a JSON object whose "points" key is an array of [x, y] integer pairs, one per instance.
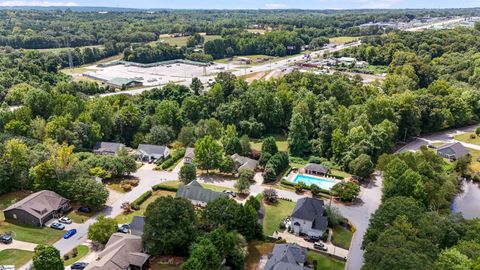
{"points": [[320, 182]]}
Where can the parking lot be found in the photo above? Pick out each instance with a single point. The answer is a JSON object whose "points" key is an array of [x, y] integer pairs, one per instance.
{"points": [[153, 76]]}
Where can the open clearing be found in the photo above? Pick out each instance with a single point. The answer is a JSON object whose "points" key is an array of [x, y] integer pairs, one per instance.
{"points": [[15, 257], [182, 41], [343, 40]]}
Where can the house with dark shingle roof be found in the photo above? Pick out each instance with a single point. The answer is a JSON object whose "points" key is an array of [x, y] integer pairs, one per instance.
{"points": [[452, 151], [150, 152], [315, 169], [122, 251], [107, 148], [308, 217], [189, 155], [244, 163], [37, 208], [287, 257], [197, 194]]}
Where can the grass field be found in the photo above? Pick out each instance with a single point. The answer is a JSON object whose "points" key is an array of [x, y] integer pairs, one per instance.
{"points": [[156, 194], [274, 214], [377, 69], [475, 164], [343, 40], [82, 251], [341, 237], [32, 234], [182, 41], [15, 257], [256, 250], [282, 143], [466, 138], [325, 262]]}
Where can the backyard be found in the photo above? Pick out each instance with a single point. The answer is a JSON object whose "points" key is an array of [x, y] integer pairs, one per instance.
{"points": [[281, 141], [15, 257], [342, 237], [324, 262], [8, 199], [274, 214], [466, 137]]}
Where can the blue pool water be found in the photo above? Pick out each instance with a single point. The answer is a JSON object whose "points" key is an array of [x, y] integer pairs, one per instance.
{"points": [[320, 182]]}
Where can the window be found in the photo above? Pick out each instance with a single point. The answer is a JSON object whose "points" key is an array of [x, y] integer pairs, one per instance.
{"points": [[14, 216]]}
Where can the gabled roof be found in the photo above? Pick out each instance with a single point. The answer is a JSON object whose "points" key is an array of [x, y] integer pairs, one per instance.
{"points": [[121, 251], [456, 149], [316, 168], [137, 224], [122, 81], [194, 191], [107, 147], [150, 149], [311, 209], [189, 152], [287, 257], [244, 162], [40, 204]]}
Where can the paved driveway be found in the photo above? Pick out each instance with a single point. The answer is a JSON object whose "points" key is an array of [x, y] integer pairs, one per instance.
{"points": [[18, 245]]}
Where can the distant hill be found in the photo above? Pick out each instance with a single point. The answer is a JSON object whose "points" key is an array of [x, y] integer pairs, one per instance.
{"points": [[77, 8]]}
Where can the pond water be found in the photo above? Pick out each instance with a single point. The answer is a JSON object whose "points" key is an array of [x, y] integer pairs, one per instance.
{"points": [[468, 202]]}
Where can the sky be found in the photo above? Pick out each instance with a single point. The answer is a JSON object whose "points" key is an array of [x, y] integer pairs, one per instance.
{"points": [[252, 4]]}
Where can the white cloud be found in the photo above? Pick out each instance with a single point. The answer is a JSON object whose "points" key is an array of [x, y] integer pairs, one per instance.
{"points": [[275, 6], [37, 4]]}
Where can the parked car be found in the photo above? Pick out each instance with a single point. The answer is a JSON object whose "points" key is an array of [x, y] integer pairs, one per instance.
{"points": [[57, 226], [6, 238], [231, 193], [65, 220], [320, 246], [78, 266], [312, 238], [69, 233], [124, 228], [84, 209]]}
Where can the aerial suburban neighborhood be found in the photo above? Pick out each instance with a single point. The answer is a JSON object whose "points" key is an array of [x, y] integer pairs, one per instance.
{"points": [[237, 135]]}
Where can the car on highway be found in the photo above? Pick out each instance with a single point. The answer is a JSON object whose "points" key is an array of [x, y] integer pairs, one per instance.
{"points": [[57, 226], [79, 266], [65, 220], [69, 233], [6, 239]]}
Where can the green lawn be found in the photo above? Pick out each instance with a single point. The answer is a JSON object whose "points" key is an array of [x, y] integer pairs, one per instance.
{"points": [[15, 257], [274, 214], [78, 217], [324, 262], [466, 138], [282, 143], [216, 188], [343, 39], [256, 250], [475, 164], [182, 41], [342, 237], [156, 194], [82, 251], [32, 234]]}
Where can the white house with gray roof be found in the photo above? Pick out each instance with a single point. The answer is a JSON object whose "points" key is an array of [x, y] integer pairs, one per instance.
{"points": [[287, 257], [198, 195], [107, 148], [150, 152], [308, 217], [452, 151]]}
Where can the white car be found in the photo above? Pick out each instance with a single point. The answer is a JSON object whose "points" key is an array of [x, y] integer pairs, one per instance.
{"points": [[65, 220]]}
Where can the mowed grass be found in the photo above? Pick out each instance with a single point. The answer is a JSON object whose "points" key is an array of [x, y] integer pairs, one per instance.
{"points": [[82, 251], [256, 250], [35, 235], [281, 141], [274, 214], [343, 40], [156, 194], [324, 262], [466, 138], [342, 237], [15, 257], [182, 41], [475, 164]]}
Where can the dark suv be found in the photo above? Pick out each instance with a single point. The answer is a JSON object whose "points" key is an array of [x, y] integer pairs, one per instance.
{"points": [[6, 238], [311, 238]]}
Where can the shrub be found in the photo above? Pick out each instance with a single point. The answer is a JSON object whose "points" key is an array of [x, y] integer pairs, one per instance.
{"points": [[473, 136], [174, 157], [164, 187], [126, 187], [315, 190], [136, 204], [477, 131]]}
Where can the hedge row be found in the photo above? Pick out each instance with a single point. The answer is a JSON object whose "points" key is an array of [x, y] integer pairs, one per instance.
{"points": [[174, 157], [136, 204], [165, 187], [291, 184]]}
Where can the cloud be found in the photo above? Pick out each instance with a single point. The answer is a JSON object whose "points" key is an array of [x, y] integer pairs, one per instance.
{"points": [[275, 5], [37, 4]]}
